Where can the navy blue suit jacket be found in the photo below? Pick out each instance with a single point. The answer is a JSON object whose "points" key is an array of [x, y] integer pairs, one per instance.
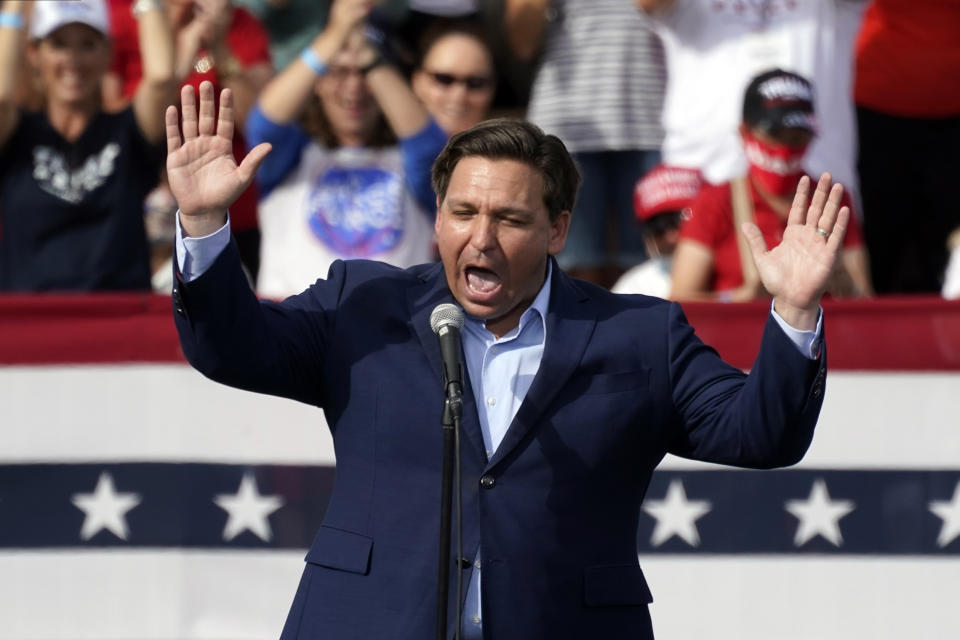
{"points": [[623, 381]]}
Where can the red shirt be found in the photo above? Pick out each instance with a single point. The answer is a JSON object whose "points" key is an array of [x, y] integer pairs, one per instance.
{"points": [[908, 58], [249, 44], [711, 224]]}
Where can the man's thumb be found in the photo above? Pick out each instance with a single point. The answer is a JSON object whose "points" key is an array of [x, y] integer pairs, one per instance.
{"points": [[248, 168], [758, 246]]}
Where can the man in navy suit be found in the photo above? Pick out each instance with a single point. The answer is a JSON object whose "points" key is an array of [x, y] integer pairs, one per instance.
{"points": [[573, 394]]}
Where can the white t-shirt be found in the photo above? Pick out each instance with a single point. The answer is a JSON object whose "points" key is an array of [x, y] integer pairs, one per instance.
{"points": [[345, 203], [651, 278], [714, 48]]}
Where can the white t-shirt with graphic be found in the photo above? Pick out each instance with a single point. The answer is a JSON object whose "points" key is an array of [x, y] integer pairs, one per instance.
{"points": [[714, 48], [651, 278], [339, 204]]}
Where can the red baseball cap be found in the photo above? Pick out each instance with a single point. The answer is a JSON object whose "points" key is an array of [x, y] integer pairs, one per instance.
{"points": [[664, 189]]}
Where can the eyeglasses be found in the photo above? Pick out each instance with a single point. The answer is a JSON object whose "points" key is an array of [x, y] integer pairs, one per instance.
{"points": [[472, 83]]}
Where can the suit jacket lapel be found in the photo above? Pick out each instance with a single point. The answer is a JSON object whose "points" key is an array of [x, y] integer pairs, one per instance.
{"points": [[422, 300], [570, 324]]}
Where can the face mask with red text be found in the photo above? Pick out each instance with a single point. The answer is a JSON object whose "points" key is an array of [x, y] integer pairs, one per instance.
{"points": [[776, 167]]}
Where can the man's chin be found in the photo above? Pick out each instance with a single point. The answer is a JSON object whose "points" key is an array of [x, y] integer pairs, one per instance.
{"points": [[480, 311]]}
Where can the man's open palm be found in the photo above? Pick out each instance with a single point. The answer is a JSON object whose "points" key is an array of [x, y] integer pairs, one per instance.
{"points": [[203, 175], [796, 271]]}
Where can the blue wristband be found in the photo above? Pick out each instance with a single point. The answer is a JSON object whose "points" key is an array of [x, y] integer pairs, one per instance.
{"points": [[12, 20], [313, 61]]}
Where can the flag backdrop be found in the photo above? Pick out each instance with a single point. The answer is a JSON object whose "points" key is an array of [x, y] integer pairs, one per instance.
{"points": [[139, 500]]}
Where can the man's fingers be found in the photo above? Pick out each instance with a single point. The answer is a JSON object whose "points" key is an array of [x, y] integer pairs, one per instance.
{"points": [[830, 211], [835, 239], [189, 109], [758, 246], [248, 168], [818, 200], [207, 109], [173, 129], [225, 119], [799, 206]]}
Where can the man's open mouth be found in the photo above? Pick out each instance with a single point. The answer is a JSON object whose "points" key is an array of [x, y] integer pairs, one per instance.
{"points": [[480, 281]]}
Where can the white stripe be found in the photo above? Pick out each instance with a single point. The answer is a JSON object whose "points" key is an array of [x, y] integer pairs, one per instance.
{"points": [[881, 421], [806, 598], [151, 413], [147, 594], [194, 595], [171, 413]]}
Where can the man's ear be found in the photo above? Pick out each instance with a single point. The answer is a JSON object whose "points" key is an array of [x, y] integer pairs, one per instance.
{"points": [[558, 232], [436, 217]]}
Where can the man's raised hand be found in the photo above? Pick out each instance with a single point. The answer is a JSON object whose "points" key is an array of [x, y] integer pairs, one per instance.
{"points": [[203, 176], [796, 271]]}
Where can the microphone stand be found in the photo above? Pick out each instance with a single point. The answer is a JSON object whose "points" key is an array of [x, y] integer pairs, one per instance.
{"points": [[452, 412]]}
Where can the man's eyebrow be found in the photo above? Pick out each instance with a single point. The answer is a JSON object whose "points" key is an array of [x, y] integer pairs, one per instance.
{"points": [[461, 204], [502, 211]]}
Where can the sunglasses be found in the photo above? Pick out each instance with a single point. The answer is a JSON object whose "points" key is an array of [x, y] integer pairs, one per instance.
{"points": [[472, 83]]}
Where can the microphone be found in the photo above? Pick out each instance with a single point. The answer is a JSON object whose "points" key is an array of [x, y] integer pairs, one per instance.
{"points": [[446, 320]]}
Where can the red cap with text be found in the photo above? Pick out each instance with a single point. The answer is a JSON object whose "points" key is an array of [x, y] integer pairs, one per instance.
{"points": [[665, 189]]}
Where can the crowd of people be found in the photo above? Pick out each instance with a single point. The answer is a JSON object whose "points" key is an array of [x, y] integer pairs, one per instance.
{"points": [[687, 119]]}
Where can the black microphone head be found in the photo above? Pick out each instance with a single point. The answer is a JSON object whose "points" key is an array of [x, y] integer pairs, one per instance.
{"points": [[444, 315]]}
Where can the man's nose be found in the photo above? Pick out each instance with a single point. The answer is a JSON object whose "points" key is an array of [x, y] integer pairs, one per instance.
{"points": [[483, 233]]}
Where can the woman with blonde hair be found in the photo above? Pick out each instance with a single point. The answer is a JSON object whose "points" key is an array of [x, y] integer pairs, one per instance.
{"points": [[73, 177]]}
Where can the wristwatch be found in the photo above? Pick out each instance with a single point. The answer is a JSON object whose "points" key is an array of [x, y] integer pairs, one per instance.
{"points": [[141, 7]]}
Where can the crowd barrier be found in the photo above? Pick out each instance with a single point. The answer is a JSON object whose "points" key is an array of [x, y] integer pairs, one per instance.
{"points": [[140, 500]]}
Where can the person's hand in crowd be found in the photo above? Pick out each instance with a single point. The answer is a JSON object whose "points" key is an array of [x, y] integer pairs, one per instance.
{"points": [[203, 175], [747, 292], [206, 29], [346, 16], [283, 100], [367, 52], [796, 271], [213, 18]]}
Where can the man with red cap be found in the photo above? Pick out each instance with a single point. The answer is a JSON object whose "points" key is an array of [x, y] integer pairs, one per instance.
{"points": [[660, 200], [712, 260]]}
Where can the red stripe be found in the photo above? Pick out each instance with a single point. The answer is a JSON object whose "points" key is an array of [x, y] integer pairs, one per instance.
{"points": [[903, 333], [915, 333], [91, 328]]}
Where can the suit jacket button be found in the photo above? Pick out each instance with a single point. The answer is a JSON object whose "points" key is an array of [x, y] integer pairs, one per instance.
{"points": [[488, 481]]}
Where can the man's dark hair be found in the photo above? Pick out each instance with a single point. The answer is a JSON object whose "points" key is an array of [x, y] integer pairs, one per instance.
{"points": [[507, 139]]}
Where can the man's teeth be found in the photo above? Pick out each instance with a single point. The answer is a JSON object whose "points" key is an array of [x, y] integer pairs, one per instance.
{"points": [[482, 281]]}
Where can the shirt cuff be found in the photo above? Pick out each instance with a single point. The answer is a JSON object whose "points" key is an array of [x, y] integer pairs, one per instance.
{"points": [[195, 255], [807, 342]]}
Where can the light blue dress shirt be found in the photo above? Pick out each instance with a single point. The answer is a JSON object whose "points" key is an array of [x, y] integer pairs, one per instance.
{"points": [[501, 370]]}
